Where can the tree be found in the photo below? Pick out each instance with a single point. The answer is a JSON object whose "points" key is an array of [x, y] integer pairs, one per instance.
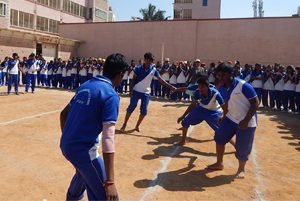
{"points": [[150, 13]]}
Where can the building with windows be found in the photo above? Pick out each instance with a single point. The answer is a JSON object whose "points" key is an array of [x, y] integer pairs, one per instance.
{"points": [[28, 26], [197, 9]]}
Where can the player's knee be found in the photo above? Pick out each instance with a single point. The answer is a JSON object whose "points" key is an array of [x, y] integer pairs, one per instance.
{"points": [[185, 124], [219, 139], [144, 111]]}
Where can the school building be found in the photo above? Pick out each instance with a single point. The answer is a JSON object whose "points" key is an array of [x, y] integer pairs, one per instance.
{"points": [[197, 9], [28, 26], [250, 40]]}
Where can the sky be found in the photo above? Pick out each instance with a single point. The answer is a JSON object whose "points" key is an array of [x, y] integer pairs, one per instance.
{"points": [[124, 10]]}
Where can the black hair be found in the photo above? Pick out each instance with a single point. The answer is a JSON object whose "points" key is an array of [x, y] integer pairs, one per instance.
{"points": [[224, 68], [204, 81], [255, 71], [290, 67], [132, 60], [114, 65], [247, 65], [32, 55], [24, 57], [149, 55], [201, 75], [212, 64], [15, 54]]}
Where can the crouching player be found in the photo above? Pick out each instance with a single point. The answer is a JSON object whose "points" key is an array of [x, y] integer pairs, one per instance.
{"points": [[93, 109], [206, 106], [240, 119]]}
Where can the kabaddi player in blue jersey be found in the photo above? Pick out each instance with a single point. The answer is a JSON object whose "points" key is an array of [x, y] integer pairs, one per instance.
{"points": [[12, 73], [238, 119], [93, 110], [140, 89], [206, 106]]}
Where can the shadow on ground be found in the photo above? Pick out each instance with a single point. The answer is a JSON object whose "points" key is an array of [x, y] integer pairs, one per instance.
{"points": [[185, 179], [289, 125]]}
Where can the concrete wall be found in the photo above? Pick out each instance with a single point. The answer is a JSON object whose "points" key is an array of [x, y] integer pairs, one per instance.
{"points": [[265, 40]]}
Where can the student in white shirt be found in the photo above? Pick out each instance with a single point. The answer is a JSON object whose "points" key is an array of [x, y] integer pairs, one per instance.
{"points": [[32, 67], [279, 84], [288, 95], [268, 88], [44, 72]]}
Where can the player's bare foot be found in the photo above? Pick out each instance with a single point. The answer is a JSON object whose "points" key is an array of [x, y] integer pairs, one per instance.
{"points": [[240, 174], [122, 130], [17, 94], [180, 143], [138, 129], [33, 92], [179, 129], [215, 166], [25, 92]]}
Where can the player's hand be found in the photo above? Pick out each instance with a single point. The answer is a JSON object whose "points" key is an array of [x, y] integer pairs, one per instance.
{"points": [[220, 120], [172, 91], [180, 119], [8, 76], [186, 84], [130, 94], [243, 125], [111, 192]]}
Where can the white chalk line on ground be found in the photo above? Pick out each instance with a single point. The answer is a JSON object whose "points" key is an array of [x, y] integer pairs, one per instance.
{"points": [[29, 117], [258, 193], [155, 184]]}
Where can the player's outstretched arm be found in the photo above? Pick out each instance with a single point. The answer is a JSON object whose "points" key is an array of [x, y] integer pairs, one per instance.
{"points": [[163, 82], [63, 117]]}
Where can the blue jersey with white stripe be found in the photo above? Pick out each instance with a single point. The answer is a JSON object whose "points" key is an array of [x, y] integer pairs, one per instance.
{"points": [[94, 103], [212, 103], [144, 78], [237, 96]]}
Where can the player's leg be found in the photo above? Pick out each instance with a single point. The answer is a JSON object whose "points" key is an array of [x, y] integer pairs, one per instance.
{"points": [[193, 118], [143, 109], [28, 78], [133, 103], [76, 188], [222, 136], [244, 142], [15, 79], [33, 81]]}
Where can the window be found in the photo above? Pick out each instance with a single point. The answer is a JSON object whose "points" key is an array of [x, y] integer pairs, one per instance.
{"points": [[52, 3], [101, 14], [182, 13], [183, 1], [2, 9], [45, 24], [21, 19], [74, 8], [204, 2]]}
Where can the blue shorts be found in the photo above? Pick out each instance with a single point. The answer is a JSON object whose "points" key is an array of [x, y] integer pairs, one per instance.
{"points": [[144, 102], [89, 176], [244, 138], [197, 115]]}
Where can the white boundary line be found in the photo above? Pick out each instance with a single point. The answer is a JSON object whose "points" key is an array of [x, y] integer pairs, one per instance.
{"points": [[155, 184], [258, 193], [29, 117]]}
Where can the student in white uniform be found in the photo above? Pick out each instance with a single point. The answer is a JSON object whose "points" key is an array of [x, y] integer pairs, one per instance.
{"points": [[69, 74], [173, 78], [49, 74], [288, 95], [44, 72], [12, 73], [181, 79], [32, 67], [268, 88], [257, 76], [64, 74]]}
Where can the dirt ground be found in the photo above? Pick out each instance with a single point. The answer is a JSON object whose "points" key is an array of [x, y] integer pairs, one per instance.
{"points": [[147, 166]]}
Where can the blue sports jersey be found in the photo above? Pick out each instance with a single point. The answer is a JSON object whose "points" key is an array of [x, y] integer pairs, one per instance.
{"points": [[144, 78], [237, 96], [278, 78], [195, 87], [238, 75], [94, 103], [13, 66], [212, 103]]}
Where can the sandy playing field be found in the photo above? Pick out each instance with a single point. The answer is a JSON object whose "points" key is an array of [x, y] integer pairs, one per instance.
{"points": [[147, 166]]}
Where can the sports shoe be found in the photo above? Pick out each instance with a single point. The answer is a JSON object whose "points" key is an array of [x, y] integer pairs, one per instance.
{"points": [[284, 111], [265, 107], [293, 112], [177, 100]]}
